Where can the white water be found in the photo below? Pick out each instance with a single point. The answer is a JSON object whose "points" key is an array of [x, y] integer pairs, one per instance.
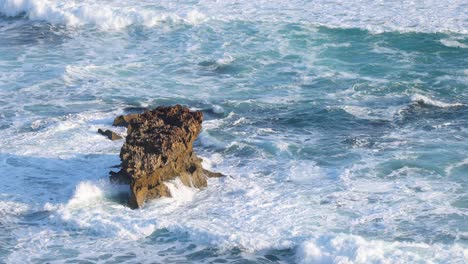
{"points": [[453, 43], [353, 249], [428, 101], [375, 16], [254, 213], [103, 14]]}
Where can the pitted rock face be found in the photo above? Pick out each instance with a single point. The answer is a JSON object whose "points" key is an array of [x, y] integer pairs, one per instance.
{"points": [[159, 148]]}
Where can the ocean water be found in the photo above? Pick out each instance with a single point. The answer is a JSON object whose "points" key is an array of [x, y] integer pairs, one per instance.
{"points": [[342, 127]]}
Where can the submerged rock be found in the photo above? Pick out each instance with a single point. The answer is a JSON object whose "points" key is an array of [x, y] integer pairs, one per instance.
{"points": [[109, 134], [159, 148]]}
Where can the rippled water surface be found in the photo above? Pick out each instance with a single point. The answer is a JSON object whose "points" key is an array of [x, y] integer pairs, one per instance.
{"points": [[342, 128]]}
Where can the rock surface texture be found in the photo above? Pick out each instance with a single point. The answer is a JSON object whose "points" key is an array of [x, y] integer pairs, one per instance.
{"points": [[159, 148]]}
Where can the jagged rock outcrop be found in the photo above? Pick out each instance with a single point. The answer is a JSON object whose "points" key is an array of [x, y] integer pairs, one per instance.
{"points": [[159, 148]]}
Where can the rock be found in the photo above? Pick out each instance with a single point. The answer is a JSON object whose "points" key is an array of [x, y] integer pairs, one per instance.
{"points": [[159, 148], [211, 174], [109, 134], [136, 109], [124, 120]]}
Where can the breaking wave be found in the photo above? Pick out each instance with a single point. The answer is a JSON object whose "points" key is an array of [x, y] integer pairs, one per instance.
{"points": [[374, 16], [102, 15], [424, 100]]}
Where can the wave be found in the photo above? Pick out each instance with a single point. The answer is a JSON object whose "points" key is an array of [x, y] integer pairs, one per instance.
{"points": [[377, 16], [424, 100], [449, 169], [452, 43], [344, 248], [90, 209], [248, 211], [307, 172], [86, 192], [108, 16], [180, 192]]}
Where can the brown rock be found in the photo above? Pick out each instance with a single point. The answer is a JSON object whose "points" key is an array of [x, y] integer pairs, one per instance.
{"points": [[109, 134], [159, 148], [211, 174], [124, 120]]}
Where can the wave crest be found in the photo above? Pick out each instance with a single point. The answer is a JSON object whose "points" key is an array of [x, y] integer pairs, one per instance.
{"points": [[106, 17], [428, 16], [424, 100]]}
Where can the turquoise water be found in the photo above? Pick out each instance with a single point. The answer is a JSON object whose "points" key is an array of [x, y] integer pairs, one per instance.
{"points": [[343, 130]]}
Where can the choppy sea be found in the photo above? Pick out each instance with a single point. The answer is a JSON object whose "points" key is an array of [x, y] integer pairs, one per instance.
{"points": [[342, 127]]}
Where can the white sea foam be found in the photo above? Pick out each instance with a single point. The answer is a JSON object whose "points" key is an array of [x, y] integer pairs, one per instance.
{"points": [[451, 78], [419, 98], [377, 16], [452, 43], [250, 211], [76, 133], [194, 17], [86, 192], [180, 192], [9, 209], [110, 15], [225, 60], [239, 121], [449, 169], [211, 163], [254, 216], [373, 113], [306, 172], [358, 111], [218, 109], [355, 249], [282, 146]]}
